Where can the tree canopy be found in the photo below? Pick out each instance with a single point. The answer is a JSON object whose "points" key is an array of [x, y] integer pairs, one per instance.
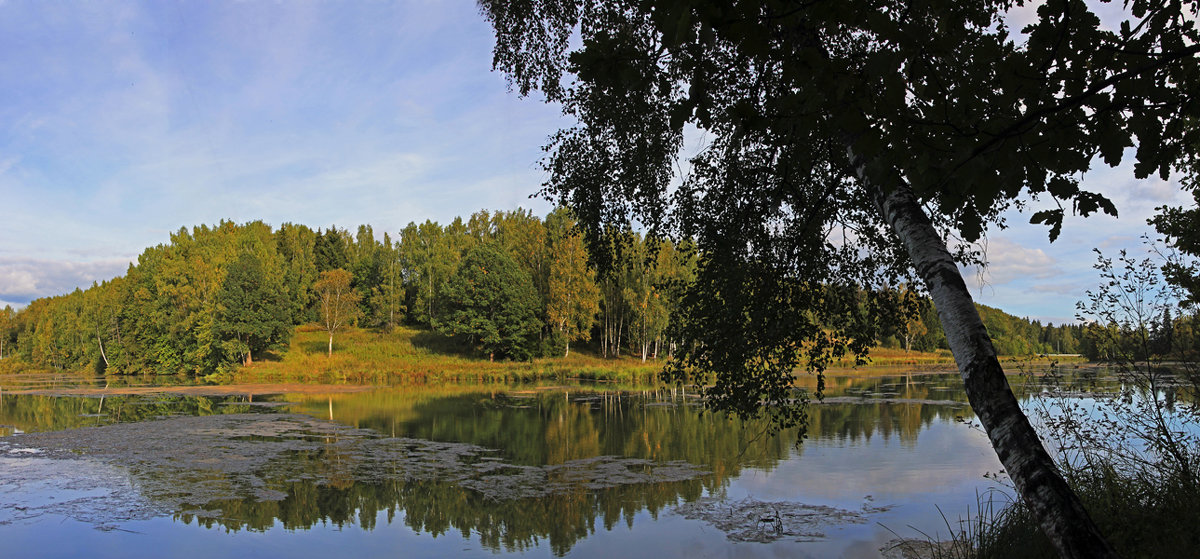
{"points": [[492, 302], [572, 296], [338, 301], [215, 295], [252, 312], [797, 98], [846, 142], [1180, 228]]}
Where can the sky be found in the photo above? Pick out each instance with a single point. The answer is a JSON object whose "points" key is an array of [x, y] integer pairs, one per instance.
{"points": [[121, 122]]}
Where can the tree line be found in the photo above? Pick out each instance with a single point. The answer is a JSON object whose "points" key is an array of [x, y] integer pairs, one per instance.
{"points": [[510, 284], [1011, 335]]}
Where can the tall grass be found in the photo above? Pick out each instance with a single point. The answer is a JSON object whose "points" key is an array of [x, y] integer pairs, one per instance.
{"points": [[1140, 517], [881, 357], [412, 356]]}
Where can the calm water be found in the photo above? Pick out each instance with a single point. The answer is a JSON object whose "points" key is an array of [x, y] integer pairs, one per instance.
{"points": [[890, 455]]}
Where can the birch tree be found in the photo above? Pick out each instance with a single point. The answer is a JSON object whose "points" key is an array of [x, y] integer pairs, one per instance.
{"points": [[847, 141], [388, 298], [297, 245], [338, 300], [431, 256], [573, 298]]}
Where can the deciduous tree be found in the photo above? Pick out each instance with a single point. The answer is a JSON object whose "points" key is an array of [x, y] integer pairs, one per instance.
{"points": [[573, 298], [1180, 228], [339, 301], [252, 312], [847, 141], [431, 258], [6, 327], [387, 300], [491, 301], [297, 246]]}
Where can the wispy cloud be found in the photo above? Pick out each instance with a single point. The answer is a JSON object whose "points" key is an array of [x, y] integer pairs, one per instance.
{"points": [[22, 280], [129, 120], [1008, 262], [123, 121]]}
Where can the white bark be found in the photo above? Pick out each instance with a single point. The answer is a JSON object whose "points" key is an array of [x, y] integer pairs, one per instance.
{"points": [[102, 355], [1037, 479]]}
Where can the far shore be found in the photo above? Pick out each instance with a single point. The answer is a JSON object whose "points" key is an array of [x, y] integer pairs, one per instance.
{"points": [[363, 359]]}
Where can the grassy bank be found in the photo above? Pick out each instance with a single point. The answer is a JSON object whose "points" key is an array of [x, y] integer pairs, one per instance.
{"points": [[1141, 517], [408, 355], [417, 356], [883, 360]]}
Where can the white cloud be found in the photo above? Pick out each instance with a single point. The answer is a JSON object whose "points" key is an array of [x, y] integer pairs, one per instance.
{"points": [[17, 281], [8, 163], [1008, 262], [134, 120], [24, 279], [1020, 16], [1117, 241]]}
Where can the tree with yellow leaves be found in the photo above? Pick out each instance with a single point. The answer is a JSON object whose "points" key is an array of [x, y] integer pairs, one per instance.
{"points": [[339, 302], [573, 298]]}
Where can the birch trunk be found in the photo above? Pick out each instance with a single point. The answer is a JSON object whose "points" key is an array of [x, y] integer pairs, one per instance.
{"points": [[620, 327], [604, 334], [1058, 510], [102, 355]]}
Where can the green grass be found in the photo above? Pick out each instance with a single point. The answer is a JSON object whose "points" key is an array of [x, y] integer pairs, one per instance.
{"points": [[408, 355], [1140, 517], [889, 361], [419, 356]]}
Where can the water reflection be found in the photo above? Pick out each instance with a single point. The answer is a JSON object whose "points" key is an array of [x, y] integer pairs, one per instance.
{"points": [[363, 475], [39, 412], [435, 508]]}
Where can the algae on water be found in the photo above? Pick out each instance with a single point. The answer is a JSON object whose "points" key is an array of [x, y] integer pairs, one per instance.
{"points": [[185, 464]]}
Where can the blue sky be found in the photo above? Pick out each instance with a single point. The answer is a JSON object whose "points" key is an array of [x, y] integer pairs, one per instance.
{"points": [[122, 122]]}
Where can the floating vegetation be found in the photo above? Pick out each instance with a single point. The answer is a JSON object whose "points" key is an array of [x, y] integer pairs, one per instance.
{"points": [[882, 398], [85, 490], [751, 520], [190, 464], [912, 548]]}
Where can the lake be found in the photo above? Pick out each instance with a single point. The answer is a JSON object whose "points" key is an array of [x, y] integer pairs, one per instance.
{"points": [[480, 471]]}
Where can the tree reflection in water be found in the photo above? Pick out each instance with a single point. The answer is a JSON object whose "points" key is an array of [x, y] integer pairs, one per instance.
{"points": [[542, 440]]}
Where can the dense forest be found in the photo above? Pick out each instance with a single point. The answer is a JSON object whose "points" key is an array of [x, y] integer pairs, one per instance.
{"points": [[508, 284]]}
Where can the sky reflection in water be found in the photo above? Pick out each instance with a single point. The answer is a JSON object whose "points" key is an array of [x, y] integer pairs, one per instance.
{"points": [[886, 443]]}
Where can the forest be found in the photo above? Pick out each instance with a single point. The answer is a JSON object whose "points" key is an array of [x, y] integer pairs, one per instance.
{"points": [[508, 285]]}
